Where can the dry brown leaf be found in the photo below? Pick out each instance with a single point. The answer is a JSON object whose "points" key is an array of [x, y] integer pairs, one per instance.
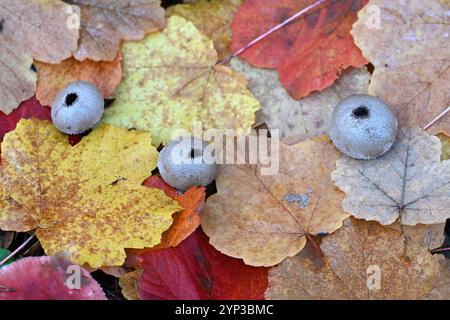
{"points": [[265, 218], [445, 140], [17, 83], [410, 52], [128, 283], [441, 290], [53, 78], [30, 29], [104, 24], [39, 27], [421, 237], [212, 18], [298, 119], [408, 182], [352, 254]]}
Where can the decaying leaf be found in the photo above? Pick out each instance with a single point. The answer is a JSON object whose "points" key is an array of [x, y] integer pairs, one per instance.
{"points": [[356, 255], [408, 182], [194, 270], [186, 221], [212, 18], [104, 24], [171, 81], [46, 278], [309, 53], [86, 199], [128, 283], [264, 219], [17, 80], [40, 28], [104, 75], [30, 29], [445, 140], [410, 52], [298, 119]]}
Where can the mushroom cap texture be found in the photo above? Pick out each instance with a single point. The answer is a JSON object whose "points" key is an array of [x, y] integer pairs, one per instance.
{"points": [[77, 108], [363, 127], [180, 170]]}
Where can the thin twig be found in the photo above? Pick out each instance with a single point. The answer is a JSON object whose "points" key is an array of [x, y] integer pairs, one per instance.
{"points": [[440, 116], [277, 27], [17, 250]]}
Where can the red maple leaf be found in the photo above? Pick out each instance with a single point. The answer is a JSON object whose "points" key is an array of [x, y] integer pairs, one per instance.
{"points": [[310, 52], [195, 270], [27, 109]]}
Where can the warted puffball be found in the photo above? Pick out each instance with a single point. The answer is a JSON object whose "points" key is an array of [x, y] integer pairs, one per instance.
{"points": [[362, 127], [182, 164], [77, 108]]}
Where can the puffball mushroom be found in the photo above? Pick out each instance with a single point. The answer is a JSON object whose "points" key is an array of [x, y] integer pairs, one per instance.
{"points": [[363, 127], [77, 108], [182, 164]]}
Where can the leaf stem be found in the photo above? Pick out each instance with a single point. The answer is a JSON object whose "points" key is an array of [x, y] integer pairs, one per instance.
{"points": [[441, 115], [17, 250], [440, 250], [272, 30]]}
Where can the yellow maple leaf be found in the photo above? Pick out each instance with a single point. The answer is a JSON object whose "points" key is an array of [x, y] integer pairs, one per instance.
{"points": [[212, 18], [86, 200], [171, 81]]}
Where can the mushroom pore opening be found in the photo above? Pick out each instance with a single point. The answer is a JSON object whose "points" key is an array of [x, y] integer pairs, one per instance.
{"points": [[70, 99], [361, 112], [195, 153]]}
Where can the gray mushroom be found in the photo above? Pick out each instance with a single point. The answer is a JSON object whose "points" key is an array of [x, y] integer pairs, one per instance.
{"points": [[363, 127], [77, 108], [182, 165]]}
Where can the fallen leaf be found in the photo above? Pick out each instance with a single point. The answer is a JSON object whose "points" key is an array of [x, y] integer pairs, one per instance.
{"points": [[194, 270], [26, 110], [185, 221], [46, 278], [86, 199], [104, 75], [354, 255], [171, 82], [309, 53], [39, 28], [303, 118], [30, 29], [104, 24], [445, 140], [421, 237], [128, 283], [410, 53], [441, 290], [17, 83], [408, 182], [212, 18], [264, 219]]}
